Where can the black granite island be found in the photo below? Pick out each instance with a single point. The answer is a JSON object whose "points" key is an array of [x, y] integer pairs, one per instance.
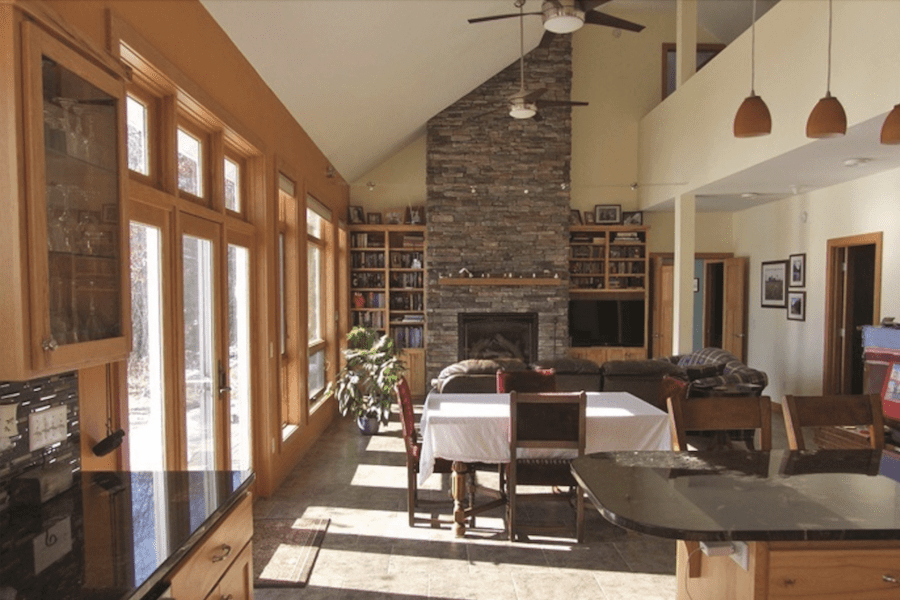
{"points": [[806, 525], [113, 535]]}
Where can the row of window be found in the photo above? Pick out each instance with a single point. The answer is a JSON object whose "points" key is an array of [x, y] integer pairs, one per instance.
{"points": [[191, 371]]}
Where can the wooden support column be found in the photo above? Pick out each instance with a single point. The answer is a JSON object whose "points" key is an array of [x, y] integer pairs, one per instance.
{"points": [[683, 322]]}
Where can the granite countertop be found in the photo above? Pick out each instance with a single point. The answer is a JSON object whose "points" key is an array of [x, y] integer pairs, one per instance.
{"points": [[749, 496], [113, 535]]}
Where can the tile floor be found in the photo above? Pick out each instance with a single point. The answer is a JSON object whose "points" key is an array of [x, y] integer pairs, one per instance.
{"points": [[370, 552]]}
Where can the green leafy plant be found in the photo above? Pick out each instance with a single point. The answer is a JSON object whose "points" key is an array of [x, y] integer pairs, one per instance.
{"points": [[364, 387]]}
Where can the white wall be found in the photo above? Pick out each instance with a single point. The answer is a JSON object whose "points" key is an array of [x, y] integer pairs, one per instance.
{"points": [[791, 352]]}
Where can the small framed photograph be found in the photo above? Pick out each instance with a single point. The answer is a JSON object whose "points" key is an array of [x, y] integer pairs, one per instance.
{"points": [[588, 217], [356, 216], [373, 218], [415, 215], [633, 218], [773, 284], [797, 272], [109, 213], [608, 214], [796, 306], [575, 217], [393, 217]]}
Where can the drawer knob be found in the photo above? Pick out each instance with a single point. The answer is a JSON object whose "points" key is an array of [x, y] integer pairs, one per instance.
{"points": [[226, 550], [889, 579]]}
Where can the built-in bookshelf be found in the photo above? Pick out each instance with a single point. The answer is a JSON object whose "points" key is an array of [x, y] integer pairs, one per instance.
{"points": [[387, 289], [607, 258]]}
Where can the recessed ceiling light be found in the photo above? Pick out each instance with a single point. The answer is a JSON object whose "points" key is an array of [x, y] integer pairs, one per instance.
{"points": [[855, 162]]}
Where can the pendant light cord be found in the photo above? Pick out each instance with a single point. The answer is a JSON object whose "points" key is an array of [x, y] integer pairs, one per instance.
{"points": [[753, 52], [521, 4], [828, 86]]}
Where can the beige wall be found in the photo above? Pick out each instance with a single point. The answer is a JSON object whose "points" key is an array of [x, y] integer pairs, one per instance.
{"points": [[399, 181]]}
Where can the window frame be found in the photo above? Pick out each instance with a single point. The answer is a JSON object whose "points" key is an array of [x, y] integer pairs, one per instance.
{"points": [[206, 151], [241, 162], [150, 104], [325, 242]]}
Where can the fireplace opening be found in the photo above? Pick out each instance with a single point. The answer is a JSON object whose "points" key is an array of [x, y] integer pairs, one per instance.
{"points": [[498, 335]]}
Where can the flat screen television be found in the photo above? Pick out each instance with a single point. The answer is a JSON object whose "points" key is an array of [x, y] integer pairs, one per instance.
{"points": [[606, 322]]}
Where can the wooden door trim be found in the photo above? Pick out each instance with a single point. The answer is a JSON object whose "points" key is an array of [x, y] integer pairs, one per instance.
{"points": [[832, 319]]}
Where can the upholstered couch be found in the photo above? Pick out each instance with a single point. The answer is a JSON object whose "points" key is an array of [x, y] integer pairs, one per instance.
{"points": [[479, 376], [712, 367], [642, 378]]}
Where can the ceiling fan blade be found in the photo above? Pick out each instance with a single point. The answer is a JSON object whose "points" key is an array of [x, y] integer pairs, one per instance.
{"points": [[589, 5], [532, 96], [486, 113], [544, 103], [547, 39], [597, 18], [498, 17]]}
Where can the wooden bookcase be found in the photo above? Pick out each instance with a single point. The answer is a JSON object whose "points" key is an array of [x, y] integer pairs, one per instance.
{"points": [[387, 290], [610, 263]]}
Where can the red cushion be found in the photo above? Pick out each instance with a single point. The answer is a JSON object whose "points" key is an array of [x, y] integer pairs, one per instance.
{"points": [[537, 381]]}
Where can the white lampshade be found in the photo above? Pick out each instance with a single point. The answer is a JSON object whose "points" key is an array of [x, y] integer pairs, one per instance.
{"points": [[563, 23], [522, 110]]}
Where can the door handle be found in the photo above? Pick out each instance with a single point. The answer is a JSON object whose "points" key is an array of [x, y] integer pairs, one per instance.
{"points": [[223, 380]]}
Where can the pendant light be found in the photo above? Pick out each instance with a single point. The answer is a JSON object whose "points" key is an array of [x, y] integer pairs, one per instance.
{"points": [[828, 118], [752, 118], [890, 131]]}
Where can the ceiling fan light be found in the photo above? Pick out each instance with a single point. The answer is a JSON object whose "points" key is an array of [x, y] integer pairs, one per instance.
{"points": [[827, 119], [562, 16], [522, 110], [752, 118], [890, 131]]}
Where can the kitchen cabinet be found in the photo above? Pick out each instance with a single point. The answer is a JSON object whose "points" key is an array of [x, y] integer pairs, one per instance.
{"points": [[65, 294]]}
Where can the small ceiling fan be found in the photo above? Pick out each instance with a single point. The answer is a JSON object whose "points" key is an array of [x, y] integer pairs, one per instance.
{"points": [[524, 104], [566, 16]]}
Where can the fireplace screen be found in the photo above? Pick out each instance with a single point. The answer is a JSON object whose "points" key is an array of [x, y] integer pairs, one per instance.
{"points": [[498, 335]]}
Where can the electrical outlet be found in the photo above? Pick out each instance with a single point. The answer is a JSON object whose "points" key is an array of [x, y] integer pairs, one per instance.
{"points": [[47, 427]]}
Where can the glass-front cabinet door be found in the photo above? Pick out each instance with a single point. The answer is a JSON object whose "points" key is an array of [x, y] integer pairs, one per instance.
{"points": [[79, 294]]}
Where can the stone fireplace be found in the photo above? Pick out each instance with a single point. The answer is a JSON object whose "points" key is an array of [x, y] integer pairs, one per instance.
{"points": [[498, 335], [498, 207]]}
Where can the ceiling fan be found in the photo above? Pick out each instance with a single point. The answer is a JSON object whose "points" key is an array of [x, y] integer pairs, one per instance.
{"points": [[524, 104], [566, 16]]}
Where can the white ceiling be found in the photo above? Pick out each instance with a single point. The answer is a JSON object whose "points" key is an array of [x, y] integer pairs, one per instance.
{"points": [[363, 76]]}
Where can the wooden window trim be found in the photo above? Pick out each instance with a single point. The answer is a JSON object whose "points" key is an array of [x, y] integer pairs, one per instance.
{"points": [[206, 151]]}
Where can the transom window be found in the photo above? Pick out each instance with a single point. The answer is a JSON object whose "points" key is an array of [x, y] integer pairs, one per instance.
{"points": [[138, 141], [190, 163]]}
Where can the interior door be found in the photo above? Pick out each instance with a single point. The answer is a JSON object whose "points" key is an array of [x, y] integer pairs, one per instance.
{"points": [[734, 321], [663, 307]]}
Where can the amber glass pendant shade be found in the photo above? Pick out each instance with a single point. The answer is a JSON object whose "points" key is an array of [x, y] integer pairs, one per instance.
{"points": [[752, 118], [890, 131], [827, 120]]}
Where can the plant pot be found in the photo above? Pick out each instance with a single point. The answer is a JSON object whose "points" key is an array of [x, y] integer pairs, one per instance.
{"points": [[368, 425]]}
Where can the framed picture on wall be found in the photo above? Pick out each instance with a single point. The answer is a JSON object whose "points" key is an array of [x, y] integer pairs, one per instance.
{"points": [[773, 284], [588, 217], [608, 214], [797, 272], [575, 217], [633, 218], [796, 306], [393, 217], [356, 215], [373, 218]]}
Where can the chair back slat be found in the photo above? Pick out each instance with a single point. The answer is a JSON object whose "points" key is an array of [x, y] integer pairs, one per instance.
{"points": [[548, 420], [720, 414], [833, 410], [407, 416]]}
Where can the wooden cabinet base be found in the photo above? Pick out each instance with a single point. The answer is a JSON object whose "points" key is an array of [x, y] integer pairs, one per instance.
{"points": [[794, 570]]}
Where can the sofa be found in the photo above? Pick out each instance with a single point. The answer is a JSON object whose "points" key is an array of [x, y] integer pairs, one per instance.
{"points": [[712, 367], [642, 378], [479, 376]]}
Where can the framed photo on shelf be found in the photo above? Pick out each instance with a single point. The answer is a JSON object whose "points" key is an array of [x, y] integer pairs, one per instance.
{"points": [[575, 217], [355, 215], [773, 284], [415, 215], [633, 218], [373, 218], [393, 217], [797, 272], [796, 306], [588, 217], [608, 214]]}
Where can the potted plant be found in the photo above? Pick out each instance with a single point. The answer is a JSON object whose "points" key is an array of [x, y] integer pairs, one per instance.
{"points": [[364, 387]]}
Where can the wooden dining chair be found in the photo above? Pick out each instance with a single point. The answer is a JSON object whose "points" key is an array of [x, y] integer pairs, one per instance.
{"points": [[720, 414], [548, 421], [413, 451], [827, 411]]}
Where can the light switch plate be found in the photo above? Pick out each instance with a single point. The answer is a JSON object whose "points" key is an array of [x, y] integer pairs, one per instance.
{"points": [[47, 427]]}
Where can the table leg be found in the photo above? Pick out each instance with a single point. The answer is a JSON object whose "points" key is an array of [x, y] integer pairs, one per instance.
{"points": [[458, 489]]}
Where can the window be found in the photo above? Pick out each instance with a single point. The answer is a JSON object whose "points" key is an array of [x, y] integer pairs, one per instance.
{"points": [[318, 229], [138, 141], [232, 185], [239, 358], [289, 286], [190, 163]]}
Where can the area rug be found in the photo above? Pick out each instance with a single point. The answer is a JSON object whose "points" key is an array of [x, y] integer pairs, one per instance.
{"points": [[285, 550]]}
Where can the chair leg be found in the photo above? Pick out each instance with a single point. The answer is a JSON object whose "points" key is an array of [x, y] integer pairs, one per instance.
{"points": [[412, 494], [470, 491], [511, 503], [579, 514]]}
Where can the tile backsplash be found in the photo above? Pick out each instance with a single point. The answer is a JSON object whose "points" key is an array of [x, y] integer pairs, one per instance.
{"points": [[39, 425]]}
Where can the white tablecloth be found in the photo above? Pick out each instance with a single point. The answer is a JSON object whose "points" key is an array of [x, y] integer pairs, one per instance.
{"points": [[475, 427]]}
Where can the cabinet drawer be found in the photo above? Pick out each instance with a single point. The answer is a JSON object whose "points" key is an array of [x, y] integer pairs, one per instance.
{"points": [[834, 573], [198, 573], [237, 583]]}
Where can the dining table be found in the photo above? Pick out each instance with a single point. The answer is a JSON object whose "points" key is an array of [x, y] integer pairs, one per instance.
{"points": [[789, 524], [474, 428]]}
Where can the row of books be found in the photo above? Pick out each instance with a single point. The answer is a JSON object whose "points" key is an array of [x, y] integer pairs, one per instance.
{"points": [[367, 240], [409, 301], [367, 280], [413, 240], [367, 260], [368, 299], [408, 337], [370, 320], [407, 280]]}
